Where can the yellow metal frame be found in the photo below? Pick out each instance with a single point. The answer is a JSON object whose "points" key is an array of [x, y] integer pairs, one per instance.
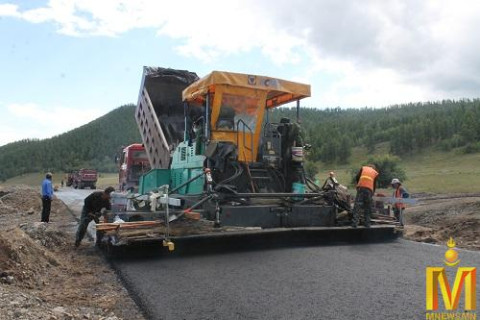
{"points": [[270, 92]]}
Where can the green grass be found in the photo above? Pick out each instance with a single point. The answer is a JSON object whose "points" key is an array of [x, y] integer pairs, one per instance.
{"points": [[107, 179], [443, 172], [35, 180], [431, 171], [32, 179]]}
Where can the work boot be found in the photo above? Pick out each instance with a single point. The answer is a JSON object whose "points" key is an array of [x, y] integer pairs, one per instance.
{"points": [[366, 220], [77, 244]]}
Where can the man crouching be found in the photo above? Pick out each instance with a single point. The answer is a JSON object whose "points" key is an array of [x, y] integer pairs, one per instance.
{"points": [[93, 206]]}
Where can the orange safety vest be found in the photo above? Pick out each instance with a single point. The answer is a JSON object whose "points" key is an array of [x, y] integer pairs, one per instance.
{"points": [[398, 194], [367, 177]]}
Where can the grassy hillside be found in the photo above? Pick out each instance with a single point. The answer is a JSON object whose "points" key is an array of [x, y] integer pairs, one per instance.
{"points": [[407, 129], [431, 171], [93, 145]]}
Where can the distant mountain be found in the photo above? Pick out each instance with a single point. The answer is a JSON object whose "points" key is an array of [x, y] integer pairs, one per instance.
{"points": [[93, 145]]}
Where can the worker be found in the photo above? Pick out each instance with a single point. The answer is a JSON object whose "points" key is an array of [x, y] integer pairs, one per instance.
{"points": [[47, 195], [366, 183], [401, 193], [294, 133], [94, 206], [197, 129], [226, 118], [331, 182]]}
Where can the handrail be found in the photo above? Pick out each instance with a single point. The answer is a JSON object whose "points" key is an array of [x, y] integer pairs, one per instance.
{"points": [[244, 139]]}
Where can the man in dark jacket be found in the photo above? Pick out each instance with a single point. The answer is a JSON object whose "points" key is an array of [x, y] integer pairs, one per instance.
{"points": [[366, 184], [93, 206]]}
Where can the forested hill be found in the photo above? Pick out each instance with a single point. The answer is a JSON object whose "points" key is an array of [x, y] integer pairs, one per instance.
{"points": [[93, 145], [408, 128]]}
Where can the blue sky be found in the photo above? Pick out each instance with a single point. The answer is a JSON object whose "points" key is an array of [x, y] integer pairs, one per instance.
{"points": [[64, 63]]}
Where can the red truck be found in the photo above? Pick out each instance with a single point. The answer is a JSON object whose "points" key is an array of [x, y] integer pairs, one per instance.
{"points": [[83, 178], [133, 163]]}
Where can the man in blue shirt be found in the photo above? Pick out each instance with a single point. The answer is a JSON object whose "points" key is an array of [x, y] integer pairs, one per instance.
{"points": [[47, 195]]}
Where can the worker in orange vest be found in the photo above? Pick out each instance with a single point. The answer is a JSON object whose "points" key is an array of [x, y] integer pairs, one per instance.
{"points": [[366, 184], [399, 192]]}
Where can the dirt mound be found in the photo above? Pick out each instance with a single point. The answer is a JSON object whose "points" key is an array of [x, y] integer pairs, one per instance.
{"points": [[42, 276], [20, 204], [25, 260], [51, 238], [440, 218], [22, 198]]}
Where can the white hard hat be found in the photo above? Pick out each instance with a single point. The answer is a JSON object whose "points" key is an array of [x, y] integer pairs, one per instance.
{"points": [[395, 180]]}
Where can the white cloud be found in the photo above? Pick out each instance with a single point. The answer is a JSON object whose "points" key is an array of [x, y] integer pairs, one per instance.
{"points": [[375, 52], [31, 121], [9, 10]]}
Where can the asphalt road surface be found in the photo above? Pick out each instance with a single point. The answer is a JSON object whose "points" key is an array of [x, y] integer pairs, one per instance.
{"points": [[341, 281]]}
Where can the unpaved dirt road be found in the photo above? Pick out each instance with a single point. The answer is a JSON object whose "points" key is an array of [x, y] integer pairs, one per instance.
{"points": [[363, 281], [73, 198]]}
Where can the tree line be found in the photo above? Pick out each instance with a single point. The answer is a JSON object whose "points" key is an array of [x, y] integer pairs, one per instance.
{"points": [[407, 128]]}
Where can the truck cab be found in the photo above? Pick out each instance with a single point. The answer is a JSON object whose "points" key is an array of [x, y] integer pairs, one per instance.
{"points": [[133, 163]]}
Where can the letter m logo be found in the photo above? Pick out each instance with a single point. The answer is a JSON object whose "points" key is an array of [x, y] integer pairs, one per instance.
{"points": [[436, 277]]}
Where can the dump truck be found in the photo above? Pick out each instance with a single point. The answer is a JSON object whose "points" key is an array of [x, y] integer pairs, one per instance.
{"points": [[132, 164], [221, 168], [83, 178]]}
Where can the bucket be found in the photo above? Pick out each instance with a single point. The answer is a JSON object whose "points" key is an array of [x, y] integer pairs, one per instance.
{"points": [[297, 154], [298, 188]]}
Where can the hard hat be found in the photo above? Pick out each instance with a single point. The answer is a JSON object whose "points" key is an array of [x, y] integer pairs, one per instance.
{"points": [[331, 173], [395, 180]]}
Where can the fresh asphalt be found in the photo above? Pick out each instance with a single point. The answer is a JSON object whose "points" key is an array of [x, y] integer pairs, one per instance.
{"points": [[330, 281]]}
